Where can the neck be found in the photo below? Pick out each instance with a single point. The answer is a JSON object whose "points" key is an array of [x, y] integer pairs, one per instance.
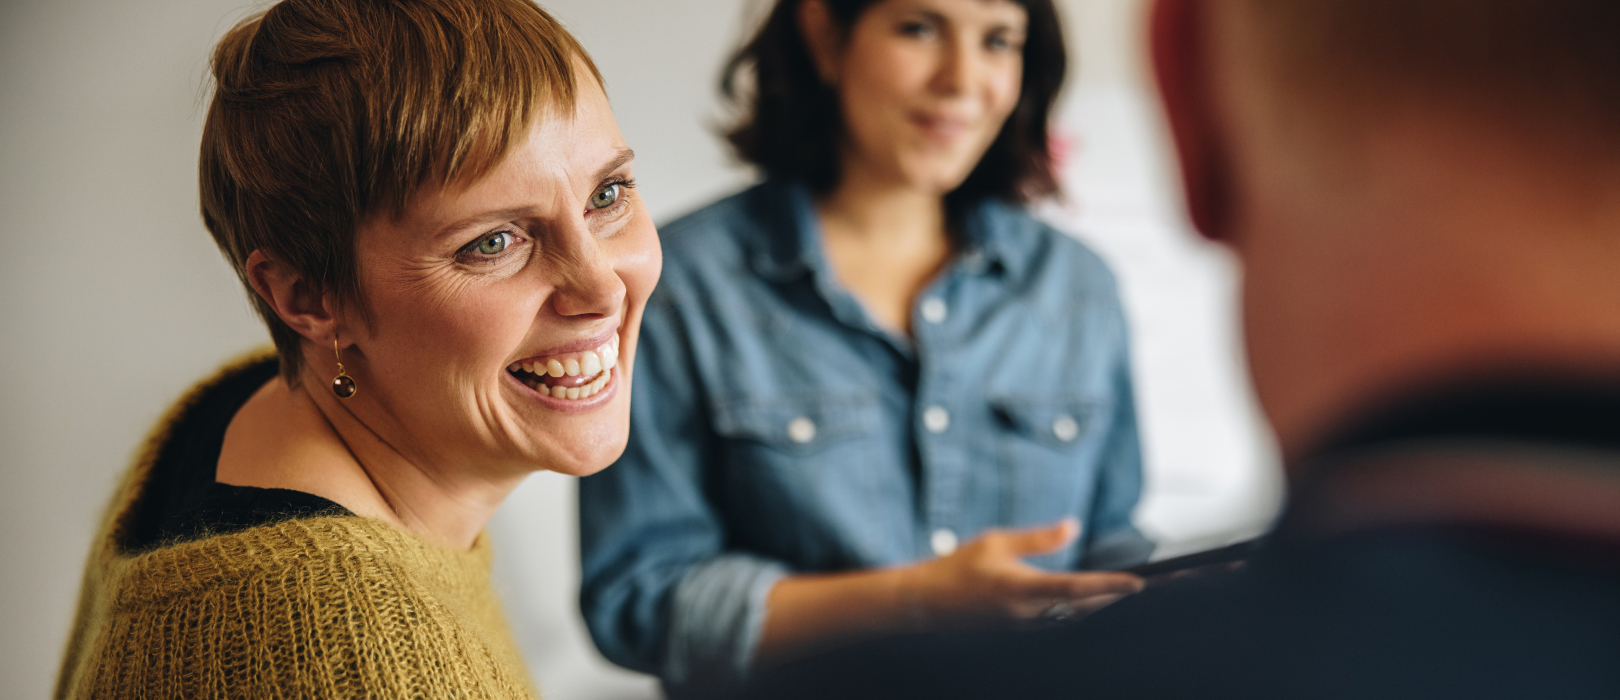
{"points": [[443, 503], [313, 442], [1447, 254], [876, 210]]}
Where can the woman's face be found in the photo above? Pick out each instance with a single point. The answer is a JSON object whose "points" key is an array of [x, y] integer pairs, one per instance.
{"points": [[504, 313], [925, 86]]}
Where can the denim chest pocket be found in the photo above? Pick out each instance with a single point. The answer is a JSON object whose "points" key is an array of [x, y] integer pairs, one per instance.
{"points": [[1061, 423], [805, 478], [1049, 446], [796, 425]]}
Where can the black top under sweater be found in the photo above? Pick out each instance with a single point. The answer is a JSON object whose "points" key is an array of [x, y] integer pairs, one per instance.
{"points": [[183, 502]]}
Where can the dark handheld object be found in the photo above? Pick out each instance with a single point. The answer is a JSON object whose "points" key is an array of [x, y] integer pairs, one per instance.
{"points": [[1209, 561]]}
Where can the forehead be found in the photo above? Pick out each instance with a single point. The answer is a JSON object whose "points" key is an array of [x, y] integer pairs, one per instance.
{"points": [[550, 168], [961, 11]]}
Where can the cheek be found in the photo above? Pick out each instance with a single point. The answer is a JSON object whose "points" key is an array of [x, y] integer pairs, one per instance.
{"points": [[1003, 88], [878, 88], [435, 328], [639, 260]]}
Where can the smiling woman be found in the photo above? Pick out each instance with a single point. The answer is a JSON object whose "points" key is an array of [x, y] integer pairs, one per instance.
{"points": [[878, 395], [434, 212]]}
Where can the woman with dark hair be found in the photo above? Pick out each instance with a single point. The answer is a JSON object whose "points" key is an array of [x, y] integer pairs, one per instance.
{"points": [[873, 356]]}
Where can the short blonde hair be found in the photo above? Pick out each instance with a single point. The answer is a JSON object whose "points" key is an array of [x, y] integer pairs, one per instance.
{"points": [[326, 112]]}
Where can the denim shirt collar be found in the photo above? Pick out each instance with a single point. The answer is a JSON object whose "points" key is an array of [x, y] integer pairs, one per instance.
{"points": [[795, 249]]}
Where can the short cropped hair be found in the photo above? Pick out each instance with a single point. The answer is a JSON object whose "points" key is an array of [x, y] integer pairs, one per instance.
{"points": [[327, 112], [1536, 58], [790, 124]]}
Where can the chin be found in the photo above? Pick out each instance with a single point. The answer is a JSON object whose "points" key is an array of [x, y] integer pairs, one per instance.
{"points": [[936, 173], [586, 467], [588, 449]]}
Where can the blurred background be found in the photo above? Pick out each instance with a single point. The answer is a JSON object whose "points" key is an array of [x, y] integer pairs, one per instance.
{"points": [[115, 299]]}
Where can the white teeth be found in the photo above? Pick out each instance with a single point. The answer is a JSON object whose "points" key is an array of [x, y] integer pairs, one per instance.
{"points": [[554, 368], [571, 366], [610, 359], [599, 383], [515, 367], [586, 391], [558, 392], [573, 393], [590, 364]]}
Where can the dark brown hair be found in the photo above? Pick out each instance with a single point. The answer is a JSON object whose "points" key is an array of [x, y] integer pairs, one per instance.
{"points": [[790, 123], [326, 112]]}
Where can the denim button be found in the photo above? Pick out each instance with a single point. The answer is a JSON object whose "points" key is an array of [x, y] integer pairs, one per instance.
{"points": [[934, 310], [1066, 428], [936, 419], [801, 430], [943, 542]]}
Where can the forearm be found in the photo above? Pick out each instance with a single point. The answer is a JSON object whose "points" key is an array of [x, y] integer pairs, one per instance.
{"points": [[809, 613]]}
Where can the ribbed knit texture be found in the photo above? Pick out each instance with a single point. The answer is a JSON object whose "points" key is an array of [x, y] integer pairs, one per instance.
{"points": [[327, 607]]}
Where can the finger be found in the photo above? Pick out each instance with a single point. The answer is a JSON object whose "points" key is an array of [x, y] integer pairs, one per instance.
{"points": [[1078, 585], [1039, 540]]}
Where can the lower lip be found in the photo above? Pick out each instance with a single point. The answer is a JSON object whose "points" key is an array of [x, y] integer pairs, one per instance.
{"points": [[572, 405], [939, 131]]}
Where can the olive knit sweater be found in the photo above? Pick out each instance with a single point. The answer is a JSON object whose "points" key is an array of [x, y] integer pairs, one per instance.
{"points": [[306, 607]]}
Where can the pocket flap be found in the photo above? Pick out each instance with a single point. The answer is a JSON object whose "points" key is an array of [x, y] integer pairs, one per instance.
{"points": [[1059, 422], [796, 422]]}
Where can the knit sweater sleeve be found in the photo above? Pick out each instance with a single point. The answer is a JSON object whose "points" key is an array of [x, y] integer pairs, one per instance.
{"points": [[335, 625]]}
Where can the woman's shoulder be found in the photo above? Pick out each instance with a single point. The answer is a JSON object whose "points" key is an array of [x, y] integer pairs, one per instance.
{"points": [[1040, 248], [355, 594], [715, 251], [314, 558], [733, 225]]}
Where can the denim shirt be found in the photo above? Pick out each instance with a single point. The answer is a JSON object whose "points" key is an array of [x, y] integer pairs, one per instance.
{"points": [[777, 429]]}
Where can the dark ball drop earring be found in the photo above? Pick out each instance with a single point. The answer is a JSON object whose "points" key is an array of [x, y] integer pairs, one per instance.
{"points": [[343, 385]]}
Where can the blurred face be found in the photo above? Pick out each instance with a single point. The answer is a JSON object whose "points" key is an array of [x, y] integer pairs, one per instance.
{"points": [[926, 85], [504, 313]]}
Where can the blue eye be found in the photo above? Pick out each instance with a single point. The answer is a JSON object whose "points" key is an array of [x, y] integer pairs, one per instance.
{"points": [[918, 30], [1001, 41], [605, 197], [494, 243]]}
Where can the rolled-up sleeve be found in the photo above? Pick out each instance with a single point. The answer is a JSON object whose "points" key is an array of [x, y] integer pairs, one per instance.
{"points": [[1114, 542], [718, 612], [659, 593]]}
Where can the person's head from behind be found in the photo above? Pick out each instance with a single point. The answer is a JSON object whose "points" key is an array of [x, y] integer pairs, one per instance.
{"points": [[944, 96], [1419, 190], [438, 188]]}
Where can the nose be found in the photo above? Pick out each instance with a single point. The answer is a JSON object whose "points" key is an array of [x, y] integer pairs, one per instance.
{"points": [[586, 285], [958, 62]]}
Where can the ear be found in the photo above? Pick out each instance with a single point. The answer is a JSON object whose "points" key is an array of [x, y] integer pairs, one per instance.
{"points": [[822, 37], [309, 313], [1179, 43]]}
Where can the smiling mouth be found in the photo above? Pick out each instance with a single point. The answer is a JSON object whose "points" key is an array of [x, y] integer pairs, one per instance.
{"points": [[570, 376], [941, 128]]}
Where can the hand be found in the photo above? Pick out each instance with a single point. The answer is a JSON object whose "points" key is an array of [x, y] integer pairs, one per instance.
{"points": [[985, 583]]}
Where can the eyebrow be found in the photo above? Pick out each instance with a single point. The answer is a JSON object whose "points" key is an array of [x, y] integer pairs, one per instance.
{"points": [[620, 157], [624, 155]]}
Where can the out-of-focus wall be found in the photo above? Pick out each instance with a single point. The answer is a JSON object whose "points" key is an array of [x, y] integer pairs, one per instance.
{"points": [[113, 299]]}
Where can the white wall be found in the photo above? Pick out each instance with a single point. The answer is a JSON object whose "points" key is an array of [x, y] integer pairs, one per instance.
{"points": [[113, 299]]}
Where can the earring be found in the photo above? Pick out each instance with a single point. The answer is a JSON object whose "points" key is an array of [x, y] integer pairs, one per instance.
{"points": [[343, 385]]}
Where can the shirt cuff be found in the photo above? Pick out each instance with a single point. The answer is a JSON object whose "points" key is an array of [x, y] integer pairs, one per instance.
{"points": [[717, 615]]}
